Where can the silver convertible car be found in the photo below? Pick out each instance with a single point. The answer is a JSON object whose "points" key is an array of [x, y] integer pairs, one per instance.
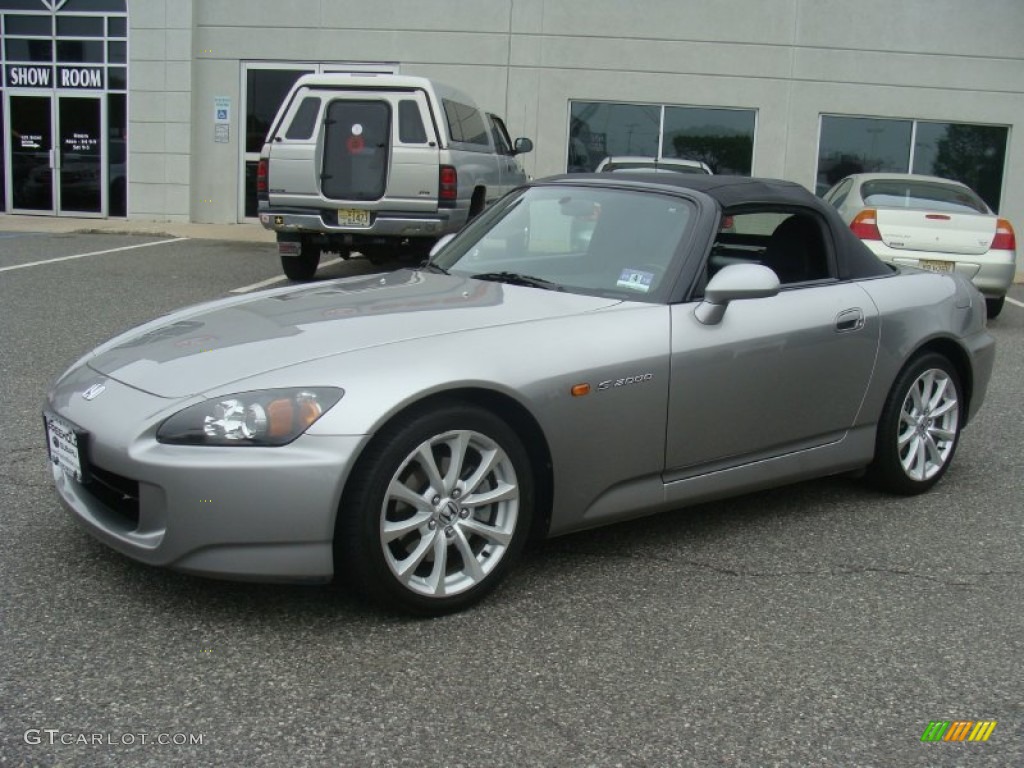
{"points": [[592, 348]]}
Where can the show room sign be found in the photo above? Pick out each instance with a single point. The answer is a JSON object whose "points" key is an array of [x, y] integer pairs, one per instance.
{"points": [[74, 78]]}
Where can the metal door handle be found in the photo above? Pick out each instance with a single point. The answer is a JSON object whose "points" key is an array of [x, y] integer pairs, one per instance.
{"points": [[850, 320]]}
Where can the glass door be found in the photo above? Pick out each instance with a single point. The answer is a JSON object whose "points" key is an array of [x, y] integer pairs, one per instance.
{"points": [[31, 158], [80, 167], [65, 176]]}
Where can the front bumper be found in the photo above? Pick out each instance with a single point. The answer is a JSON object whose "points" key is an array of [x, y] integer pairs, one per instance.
{"points": [[256, 514]]}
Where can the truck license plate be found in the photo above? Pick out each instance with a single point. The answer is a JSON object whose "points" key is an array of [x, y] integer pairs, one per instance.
{"points": [[353, 217]]}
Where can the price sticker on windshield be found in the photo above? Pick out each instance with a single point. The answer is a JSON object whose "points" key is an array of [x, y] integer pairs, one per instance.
{"points": [[635, 280]]}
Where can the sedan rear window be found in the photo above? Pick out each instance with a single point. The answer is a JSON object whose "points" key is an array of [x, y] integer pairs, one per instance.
{"points": [[654, 167], [925, 195]]}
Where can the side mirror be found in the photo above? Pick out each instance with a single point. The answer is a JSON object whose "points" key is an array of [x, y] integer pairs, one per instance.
{"points": [[522, 146], [441, 244], [734, 283]]}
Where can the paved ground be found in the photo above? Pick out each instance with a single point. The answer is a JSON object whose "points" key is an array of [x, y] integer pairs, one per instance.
{"points": [[820, 625]]}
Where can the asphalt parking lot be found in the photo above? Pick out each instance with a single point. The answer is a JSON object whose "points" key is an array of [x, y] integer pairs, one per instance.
{"points": [[823, 624]]}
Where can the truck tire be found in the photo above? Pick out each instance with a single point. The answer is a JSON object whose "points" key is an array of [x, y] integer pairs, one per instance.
{"points": [[303, 266]]}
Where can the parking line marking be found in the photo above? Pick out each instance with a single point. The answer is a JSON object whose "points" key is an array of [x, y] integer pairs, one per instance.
{"points": [[281, 279], [1015, 302], [93, 253]]}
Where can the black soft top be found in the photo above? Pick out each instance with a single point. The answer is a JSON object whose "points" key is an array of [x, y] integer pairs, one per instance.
{"points": [[732, 193]]}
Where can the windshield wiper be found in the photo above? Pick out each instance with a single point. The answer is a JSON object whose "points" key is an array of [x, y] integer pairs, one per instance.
{"points": [[514, 278]]}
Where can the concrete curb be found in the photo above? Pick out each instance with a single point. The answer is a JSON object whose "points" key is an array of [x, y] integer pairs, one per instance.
{"points": [[66, 225]]}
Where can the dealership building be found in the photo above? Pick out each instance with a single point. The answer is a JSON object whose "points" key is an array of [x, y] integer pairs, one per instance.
{"points": [[156, 109]]}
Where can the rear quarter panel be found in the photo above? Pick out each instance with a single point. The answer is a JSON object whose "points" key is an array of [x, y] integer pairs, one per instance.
{"points": [[918, 309]]}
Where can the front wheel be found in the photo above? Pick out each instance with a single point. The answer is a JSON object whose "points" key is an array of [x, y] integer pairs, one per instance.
{"points": [[437, 511], [303, 266], [920, 426]]}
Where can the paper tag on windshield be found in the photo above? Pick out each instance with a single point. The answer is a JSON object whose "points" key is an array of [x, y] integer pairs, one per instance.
{"points": [[635, 280]]}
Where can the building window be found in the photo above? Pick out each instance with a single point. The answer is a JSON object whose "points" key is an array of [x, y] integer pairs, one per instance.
{"points": [[722, 138], [971, 154]]}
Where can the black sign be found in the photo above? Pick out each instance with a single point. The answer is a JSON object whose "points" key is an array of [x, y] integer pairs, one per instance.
{"points": [[80, 77], [28, 76], [74, 78]]}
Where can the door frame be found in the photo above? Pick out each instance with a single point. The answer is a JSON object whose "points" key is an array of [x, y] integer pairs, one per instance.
{"points": [[57, 208]]}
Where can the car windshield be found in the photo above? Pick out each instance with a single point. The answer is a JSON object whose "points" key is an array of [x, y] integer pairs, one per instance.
{"points": [[924, 195], [597, 241]]}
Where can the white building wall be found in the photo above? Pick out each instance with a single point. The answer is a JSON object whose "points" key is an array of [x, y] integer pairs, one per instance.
{"points": [[790, 60], [160, 57]]}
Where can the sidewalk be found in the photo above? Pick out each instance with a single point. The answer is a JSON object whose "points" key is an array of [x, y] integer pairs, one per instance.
{"points": [[64, 224]]}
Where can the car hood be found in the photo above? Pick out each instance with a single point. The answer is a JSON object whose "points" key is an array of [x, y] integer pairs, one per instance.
{"points": [[212, 345]]}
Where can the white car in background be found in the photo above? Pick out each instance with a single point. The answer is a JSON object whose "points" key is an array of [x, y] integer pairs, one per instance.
{"points": [[638, 163], [931, 223]]}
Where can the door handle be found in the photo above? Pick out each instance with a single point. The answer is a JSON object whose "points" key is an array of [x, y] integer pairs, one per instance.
{"points": [[850, 320]]}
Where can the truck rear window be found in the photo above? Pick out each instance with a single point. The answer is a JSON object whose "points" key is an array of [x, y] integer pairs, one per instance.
{"points": [[410, 124], [304, 122]]}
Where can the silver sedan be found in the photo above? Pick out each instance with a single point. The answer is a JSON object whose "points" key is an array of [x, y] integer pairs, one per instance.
{"points": [[592, 348]]}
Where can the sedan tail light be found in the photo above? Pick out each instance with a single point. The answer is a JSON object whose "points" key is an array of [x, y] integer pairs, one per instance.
{"points": [[865, 225], [1005, 239], [262, 181]]}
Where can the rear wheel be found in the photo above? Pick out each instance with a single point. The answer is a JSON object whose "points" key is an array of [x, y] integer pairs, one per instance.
{"points": [[477, 203], [437, 511], [994, 306], [303, 266], [920, 426]]}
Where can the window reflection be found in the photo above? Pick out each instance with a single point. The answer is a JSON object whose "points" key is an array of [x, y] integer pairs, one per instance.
{"points": [[971, 154], [28, 50], [598, 130], [721, 138], [861, 145]]}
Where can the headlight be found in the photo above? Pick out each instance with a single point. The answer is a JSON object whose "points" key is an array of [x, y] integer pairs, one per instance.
{"points": [[264, 417]]}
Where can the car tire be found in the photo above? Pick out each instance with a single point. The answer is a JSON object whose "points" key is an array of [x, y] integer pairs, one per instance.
{"points": [[436, 512], [994, 306], [378, 255], [920, 426], [416, 249], [477, 203], [303, 266]]}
